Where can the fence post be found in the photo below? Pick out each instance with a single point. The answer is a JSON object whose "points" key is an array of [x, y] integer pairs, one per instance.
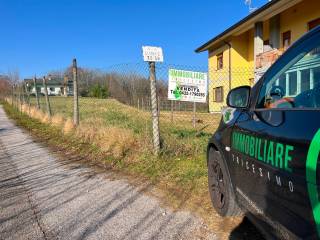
{"points": [[171, 110], [194, 114], [36, 91], [19, 98], [142, 105], [23, 93], [46, 96], [65, 85], [154, 108], [26, 85], [159, 106], [23, 96], [75, 93], [12, 95]]}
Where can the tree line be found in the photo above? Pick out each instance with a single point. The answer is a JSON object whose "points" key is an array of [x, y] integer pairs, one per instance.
{"points": [[127, 87]]}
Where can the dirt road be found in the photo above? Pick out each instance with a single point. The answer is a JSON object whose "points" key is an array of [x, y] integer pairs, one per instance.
{"points": [[42, 197]]}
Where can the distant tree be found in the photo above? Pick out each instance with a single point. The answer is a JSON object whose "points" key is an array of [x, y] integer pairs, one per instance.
{"points": [[4, 84], [14, 76], [98, 91]]}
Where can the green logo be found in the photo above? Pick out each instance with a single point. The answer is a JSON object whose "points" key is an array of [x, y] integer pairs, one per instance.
{"points": [[311, 175], [228, 114], [177, 92]]}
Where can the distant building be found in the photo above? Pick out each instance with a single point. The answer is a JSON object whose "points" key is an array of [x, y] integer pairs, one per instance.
{"points": [[242, 53], [56, 86]]}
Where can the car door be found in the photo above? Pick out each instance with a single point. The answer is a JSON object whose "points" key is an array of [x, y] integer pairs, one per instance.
{"points": [[275, 144]]}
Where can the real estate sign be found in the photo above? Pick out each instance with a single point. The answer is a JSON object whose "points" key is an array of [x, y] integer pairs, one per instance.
{"points": [[187, 86]]}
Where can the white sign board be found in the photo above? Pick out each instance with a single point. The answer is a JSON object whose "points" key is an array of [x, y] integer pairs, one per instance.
{"points": [[187, 86], [152, 54]]}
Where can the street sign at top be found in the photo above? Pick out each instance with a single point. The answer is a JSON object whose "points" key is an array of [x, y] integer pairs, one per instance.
{"points": [[152, 54]]}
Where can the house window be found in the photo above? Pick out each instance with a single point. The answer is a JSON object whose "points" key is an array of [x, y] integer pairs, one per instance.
{"points": [[286, 40], [219, 61], [218, 94], [314, 23]]}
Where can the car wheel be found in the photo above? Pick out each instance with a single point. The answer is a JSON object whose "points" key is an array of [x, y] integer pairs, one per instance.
{"points": [[220, 188]]}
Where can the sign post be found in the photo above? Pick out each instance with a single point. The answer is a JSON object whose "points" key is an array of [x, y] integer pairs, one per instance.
{"points": [[188, 86], [153, 55]]}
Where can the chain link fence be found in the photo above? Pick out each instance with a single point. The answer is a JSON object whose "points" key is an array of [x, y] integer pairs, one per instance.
{"points": [[116, 102]]}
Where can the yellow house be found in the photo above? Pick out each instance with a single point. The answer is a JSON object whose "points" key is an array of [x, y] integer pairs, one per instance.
{"points": [[242, 53]]}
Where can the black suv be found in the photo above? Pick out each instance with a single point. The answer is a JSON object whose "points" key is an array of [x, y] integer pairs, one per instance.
{"points": [[263, 158]]}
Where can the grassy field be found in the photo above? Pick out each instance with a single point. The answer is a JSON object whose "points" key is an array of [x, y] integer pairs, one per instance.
{"points": [[178, 136], [123, 133]]}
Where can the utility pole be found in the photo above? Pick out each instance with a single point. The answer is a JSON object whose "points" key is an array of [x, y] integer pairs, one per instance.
{"points": [[75, 93], [46, 96]]}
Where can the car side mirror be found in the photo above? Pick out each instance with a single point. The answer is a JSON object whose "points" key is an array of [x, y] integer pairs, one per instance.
{"points": [[239, 97]]}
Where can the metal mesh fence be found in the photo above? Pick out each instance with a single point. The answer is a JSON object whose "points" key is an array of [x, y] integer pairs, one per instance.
{"points": [[118, 97]]}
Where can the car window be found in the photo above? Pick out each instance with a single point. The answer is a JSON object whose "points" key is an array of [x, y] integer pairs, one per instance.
{"points": [[296, 85]]}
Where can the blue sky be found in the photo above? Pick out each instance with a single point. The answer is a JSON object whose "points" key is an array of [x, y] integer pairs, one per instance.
{"points": [[42, 35]]}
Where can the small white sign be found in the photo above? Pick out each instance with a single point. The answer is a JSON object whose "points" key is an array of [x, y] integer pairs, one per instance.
{"points": [[152, 54], [187, 86]]}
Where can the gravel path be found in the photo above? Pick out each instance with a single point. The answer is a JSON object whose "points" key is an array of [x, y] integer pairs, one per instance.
{"points": [[42, 197]]}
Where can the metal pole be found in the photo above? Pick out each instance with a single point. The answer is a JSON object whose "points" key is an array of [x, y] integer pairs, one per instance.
{"points": [[12, 97], [28, 96], [75, 93], [159, 106], [154, 110], [171, 110], [36, 91], [19, 100], [194, 114], [142, 105], [46, 96]]}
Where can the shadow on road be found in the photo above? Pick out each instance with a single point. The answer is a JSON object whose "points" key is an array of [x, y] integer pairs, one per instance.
{"points": [[245, 231]]}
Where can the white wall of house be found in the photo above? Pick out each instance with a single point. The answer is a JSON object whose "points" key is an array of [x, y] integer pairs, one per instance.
{"points": [[51, 90]]}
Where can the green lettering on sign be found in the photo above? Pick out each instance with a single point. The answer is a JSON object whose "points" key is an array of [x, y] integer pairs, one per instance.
{"points": [[273, 153]]}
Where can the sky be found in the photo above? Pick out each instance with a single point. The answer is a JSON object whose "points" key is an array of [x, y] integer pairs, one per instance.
{"points": [[38, 36]]}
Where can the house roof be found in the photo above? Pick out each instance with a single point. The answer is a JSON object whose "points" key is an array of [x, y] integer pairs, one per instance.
{"points": [[267, 11], [54, 81]]}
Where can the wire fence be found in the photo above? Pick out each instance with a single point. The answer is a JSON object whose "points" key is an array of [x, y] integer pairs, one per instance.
{"points": [[119, 98]]}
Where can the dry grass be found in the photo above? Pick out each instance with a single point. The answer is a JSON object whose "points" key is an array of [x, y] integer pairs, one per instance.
{"points": [[57, 120], [68, 126], [114, 140], [117, 141]]}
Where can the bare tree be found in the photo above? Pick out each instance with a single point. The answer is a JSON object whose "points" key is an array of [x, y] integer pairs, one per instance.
{"points": [[14, 76]]}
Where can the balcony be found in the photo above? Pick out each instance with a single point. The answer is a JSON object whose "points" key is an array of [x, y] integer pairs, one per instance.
{"points": [[266, 59]]}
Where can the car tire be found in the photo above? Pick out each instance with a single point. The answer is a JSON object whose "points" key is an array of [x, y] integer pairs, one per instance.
{"points": [[220, 187]]}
